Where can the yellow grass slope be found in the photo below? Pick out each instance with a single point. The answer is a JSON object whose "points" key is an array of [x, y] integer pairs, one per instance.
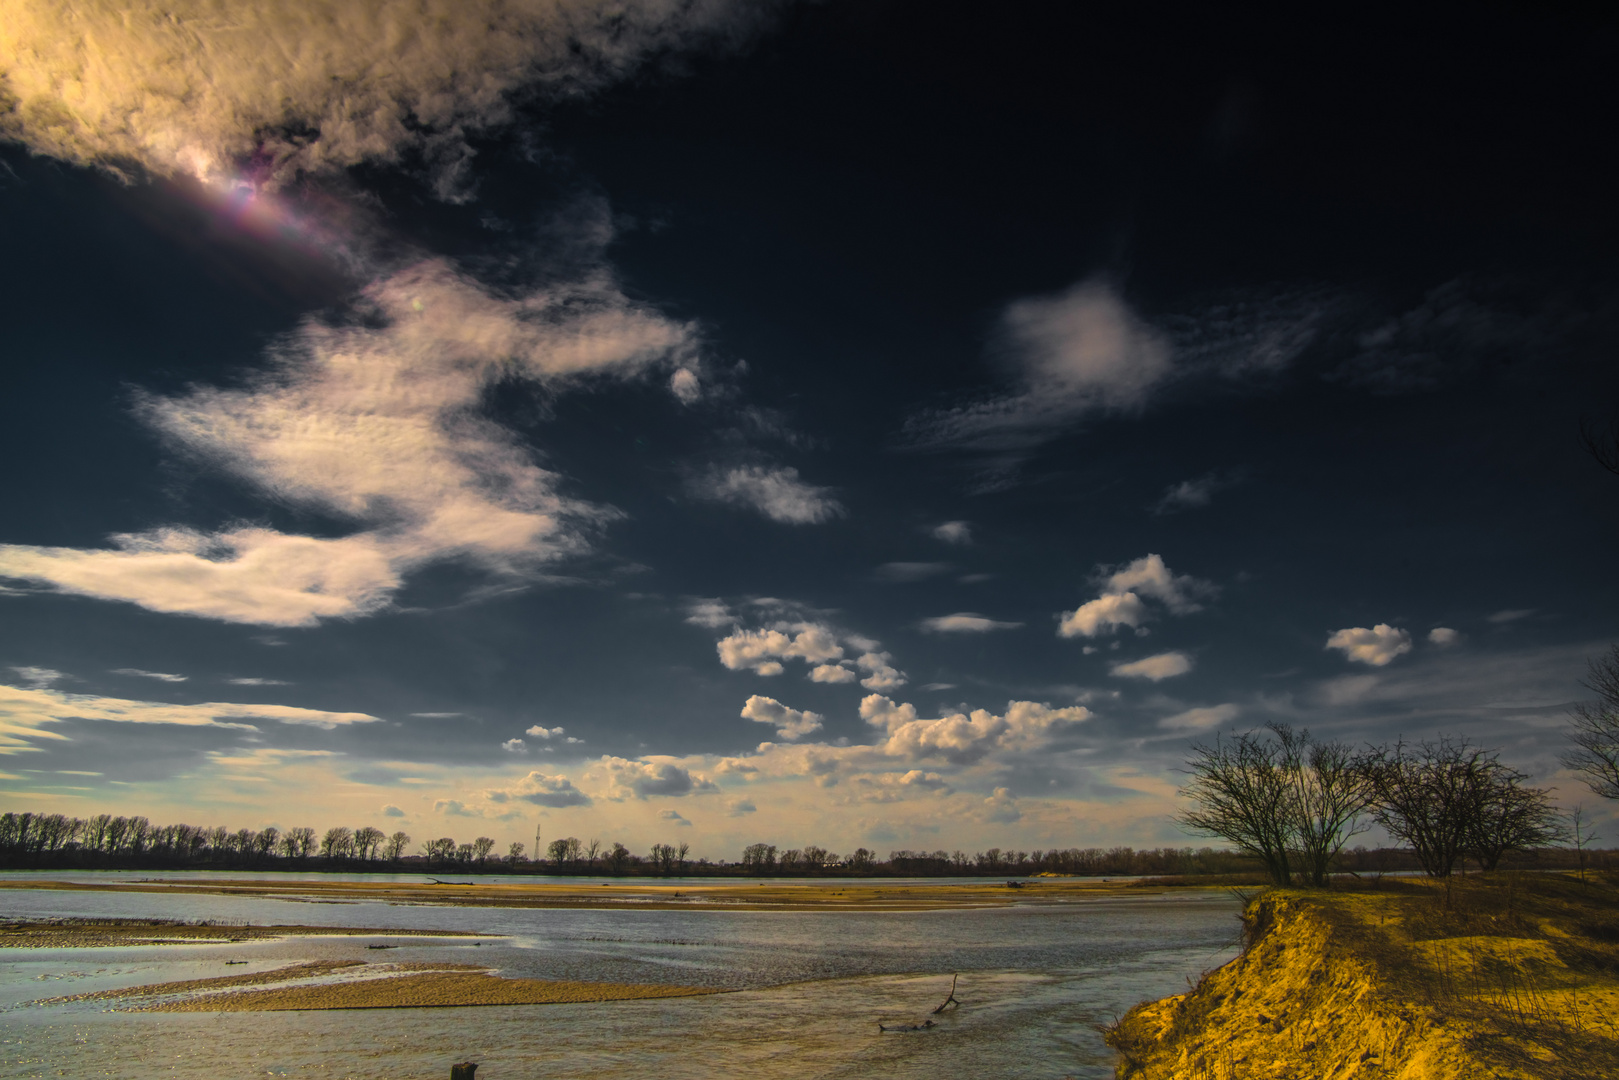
{"points": [[1515, 977]]}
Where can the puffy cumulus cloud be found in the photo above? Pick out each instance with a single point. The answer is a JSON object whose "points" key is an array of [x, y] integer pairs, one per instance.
{"points": [[893, 787], [1377, 646], [1103, 615], [1121, 601], [685, 387], [514, 746], [882, 674], [1157, 668], [160, 676], [390, 810], [953, 532], [540, 731], [378, 421], [674, 817], [1201, 719], [776, 492], [555, 792], [1078, 352], [197, 87], [1001, 807], [789, 723], [646, 778], [964, 622], [454, 808], [964, 739], [26, 713], [832, 673], [1444, 636]]}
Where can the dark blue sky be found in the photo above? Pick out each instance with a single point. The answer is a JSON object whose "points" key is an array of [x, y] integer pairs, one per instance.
{"points": [[878, 423]]}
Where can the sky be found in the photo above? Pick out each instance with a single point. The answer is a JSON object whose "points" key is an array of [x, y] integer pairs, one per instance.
{"points": [[889, 424]]}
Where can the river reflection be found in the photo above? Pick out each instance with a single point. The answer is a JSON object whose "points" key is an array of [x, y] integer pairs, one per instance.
{"points": [[1036, 983]]}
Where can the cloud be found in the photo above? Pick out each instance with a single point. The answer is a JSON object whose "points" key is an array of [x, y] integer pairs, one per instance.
{"points": [[674, 816], [250, 681], [1377, 646], [1071, 354], [964, 622], [184, 86], [514, 746], [158, 675], [790, 723], [759, 650], [740, 807], [1200, 719], [776, 492], [1444, 636], [963, 739], [1191, 494], [376, 419], [1120, 602], [27, 713], [1157, 668], [954, 532], [832, 673], [883, 674], [643, 778], [390, 810], [910, 571], [38, 677], [453, 808], [684, 385], [540, 731], [542, 790], [892, 787], [1001, 807], [712, 614], [1510, 615]]}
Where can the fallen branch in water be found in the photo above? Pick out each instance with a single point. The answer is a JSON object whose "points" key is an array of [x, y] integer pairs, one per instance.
{"points": [[951, 1000], [923, 1026]]}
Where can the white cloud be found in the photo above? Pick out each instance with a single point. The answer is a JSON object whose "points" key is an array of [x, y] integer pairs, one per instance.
{"points": [[1444, 636], [684, 385], [962, 739], [38, 677], [375, 420], [158, 675], [1120, 602], [1200, 719], [712, 614], [183, 86], [542, 790], [776, 492], [1157, 668], [647, 777], [540, 731], [1071, 354], [1001, 807], [965, 622], [258, 682], [954, 532], [27, 713], [759, 649], [1191, 494], [832, 673], [1377, 646], [514, 746], [789, 723], [883, 674]]}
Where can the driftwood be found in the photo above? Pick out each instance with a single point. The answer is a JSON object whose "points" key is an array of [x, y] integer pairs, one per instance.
{"points": [[951, 1000], [436, 881], [463, 1070], [923, 1026], [926, 1024]]}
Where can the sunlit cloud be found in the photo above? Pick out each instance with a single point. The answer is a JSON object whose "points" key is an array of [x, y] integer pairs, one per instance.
{"points": [[774, 491], [1377, 646], [1157, 668], [965, 622], [1121, 600]]}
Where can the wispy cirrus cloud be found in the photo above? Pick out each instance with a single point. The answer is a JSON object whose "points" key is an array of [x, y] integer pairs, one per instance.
{"points": [[774, 491]]}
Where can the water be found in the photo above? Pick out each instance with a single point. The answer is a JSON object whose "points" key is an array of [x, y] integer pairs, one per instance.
{"points": [[807, 990]]}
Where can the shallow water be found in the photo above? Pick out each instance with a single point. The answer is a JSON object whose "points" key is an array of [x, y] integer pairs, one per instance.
{"points": [[1036, 983]]}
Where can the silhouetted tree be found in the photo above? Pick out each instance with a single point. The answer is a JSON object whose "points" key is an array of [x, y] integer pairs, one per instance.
{"points": [[1239, 792], [481, 847], [1595, 734], [393, 849]]}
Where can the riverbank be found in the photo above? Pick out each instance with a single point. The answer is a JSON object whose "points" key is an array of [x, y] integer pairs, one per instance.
{"points": [[736, 896], [1509, 976], [99, 933]]}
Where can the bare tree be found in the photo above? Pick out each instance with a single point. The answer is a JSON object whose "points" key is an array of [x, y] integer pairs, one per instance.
{"points": [[338, 842], [269, 837], [1239, 791], [393, 849], [481, 847], [366, 840], [1581, 834], [592, 851], [1427, 796], [618, 858], [299, 842], [680, 855], [1595, 754], [1600, 439], [1508, 816], [514, 854], [1327, 792]]}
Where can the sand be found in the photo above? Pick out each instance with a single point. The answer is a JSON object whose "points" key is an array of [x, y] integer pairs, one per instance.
{"points": [[366, 986], [106, 933]]}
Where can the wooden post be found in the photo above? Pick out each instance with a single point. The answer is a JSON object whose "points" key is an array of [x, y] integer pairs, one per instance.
{"points": [[463, 1070]]}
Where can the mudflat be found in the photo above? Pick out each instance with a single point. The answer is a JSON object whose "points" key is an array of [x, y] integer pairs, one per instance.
{"points": [[110, 932]]}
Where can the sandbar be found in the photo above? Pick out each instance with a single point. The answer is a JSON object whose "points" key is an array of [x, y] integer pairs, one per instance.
{"points": [[91, 933]]}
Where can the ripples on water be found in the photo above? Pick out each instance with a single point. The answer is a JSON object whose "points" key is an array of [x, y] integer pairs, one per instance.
{"points": [[1037, 981]]}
